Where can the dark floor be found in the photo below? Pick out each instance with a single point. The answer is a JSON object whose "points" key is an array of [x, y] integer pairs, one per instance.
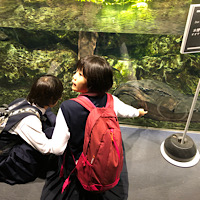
{"points": [[151, 177]]}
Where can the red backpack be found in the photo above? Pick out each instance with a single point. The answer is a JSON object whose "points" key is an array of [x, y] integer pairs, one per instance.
{"points": [[100, 164]]}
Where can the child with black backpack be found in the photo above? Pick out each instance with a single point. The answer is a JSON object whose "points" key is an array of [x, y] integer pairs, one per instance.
{"points": [[25, 137], [93, 78]]}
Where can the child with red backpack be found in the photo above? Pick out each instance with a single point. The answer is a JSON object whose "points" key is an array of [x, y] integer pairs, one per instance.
{"points": [[83, 174]]}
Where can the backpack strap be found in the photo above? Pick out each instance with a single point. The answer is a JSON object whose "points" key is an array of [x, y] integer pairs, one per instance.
{"points": [[16, 103], [109, 101], [86, 103], [67, 181], [25, 110]]}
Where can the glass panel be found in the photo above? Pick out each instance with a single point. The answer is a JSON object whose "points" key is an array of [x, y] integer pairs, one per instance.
{"points": [[140, 39], [121, 16]]}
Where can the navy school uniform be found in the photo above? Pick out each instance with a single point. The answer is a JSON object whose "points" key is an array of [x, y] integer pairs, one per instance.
{"points": [[53, 185], [21, 163]]}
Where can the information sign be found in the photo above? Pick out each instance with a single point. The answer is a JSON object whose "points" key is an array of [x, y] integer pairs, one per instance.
{"points": [[191, 37]]}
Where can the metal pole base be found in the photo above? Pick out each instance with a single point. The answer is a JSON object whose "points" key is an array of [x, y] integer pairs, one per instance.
{"points": [[178, 154]]}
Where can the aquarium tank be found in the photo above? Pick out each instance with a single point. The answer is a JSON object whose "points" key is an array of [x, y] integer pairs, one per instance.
{"points": [[141, 39]]}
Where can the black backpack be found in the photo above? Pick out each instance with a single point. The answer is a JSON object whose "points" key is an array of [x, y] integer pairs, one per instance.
{"points": [[9, 116]]}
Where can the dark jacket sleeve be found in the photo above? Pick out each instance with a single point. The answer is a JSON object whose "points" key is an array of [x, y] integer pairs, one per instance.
{"points": [[48, 122]]}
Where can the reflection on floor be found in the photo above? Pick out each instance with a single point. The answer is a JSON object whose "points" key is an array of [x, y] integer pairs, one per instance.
{"points": [[151, 177]]}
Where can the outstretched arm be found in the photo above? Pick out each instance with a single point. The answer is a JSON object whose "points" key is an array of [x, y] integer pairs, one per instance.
{"points": [[124, 110]]}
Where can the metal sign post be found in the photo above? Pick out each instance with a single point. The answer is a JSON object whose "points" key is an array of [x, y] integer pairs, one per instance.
{"points": [[179, 149]]}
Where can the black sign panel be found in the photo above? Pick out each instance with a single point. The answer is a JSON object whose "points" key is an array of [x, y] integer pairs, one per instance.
{"points": [[191, 37]]}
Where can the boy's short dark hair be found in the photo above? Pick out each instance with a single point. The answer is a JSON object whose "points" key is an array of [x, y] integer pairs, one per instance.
{"points": [[45, 91], [98, 72]]}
